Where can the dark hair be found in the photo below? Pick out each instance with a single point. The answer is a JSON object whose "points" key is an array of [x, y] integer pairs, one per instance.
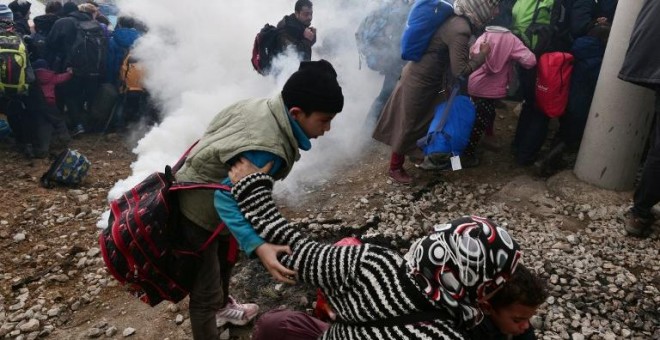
{"points": [[523, 287], [53, 7], [302, 3], [126, 22]]}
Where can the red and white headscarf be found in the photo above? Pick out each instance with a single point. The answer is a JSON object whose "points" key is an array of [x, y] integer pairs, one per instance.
{"points": [[479, 12], [461, 263]]}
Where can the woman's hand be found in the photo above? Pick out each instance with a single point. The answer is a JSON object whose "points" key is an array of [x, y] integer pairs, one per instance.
{"points": [[484, 48], [243, 167], [268, 253]]}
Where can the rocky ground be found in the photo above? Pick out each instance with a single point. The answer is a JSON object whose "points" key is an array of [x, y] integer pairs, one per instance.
{"points": [[603, 284]]}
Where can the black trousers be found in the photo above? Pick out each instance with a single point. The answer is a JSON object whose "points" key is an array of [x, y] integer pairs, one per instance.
{"points": [[210, 289], [532, 124], [647, 193]]}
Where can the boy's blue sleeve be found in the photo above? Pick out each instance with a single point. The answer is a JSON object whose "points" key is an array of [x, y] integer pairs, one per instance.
{"points": [[229, 212]]}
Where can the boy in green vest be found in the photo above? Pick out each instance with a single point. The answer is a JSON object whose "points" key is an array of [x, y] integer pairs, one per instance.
{"points": [[270, 130]]}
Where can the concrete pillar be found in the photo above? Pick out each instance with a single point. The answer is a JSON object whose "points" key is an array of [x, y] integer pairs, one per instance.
{"points": [[620, 117]]}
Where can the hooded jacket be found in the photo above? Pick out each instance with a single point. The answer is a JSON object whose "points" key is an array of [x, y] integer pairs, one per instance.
{"points": [[48, 80], [490, 80], [292, 32], [44, 23], [642, 63], [21, 10], [61, 37], [119, 44]]}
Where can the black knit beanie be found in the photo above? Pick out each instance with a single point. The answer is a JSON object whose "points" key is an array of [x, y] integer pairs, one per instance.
{"points": [[314, 87]]}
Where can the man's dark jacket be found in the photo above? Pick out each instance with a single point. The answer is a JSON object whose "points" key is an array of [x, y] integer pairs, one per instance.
{"points": [[292, 32], [61, 38], [642, 63]]}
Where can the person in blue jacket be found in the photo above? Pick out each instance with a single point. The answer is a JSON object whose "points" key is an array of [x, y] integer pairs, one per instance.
{"points": [[119, 44]]}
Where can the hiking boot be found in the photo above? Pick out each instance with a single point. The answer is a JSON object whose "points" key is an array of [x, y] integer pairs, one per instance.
{"points": [[431, 165], [400, 176], [239, 314], [638, 226]]}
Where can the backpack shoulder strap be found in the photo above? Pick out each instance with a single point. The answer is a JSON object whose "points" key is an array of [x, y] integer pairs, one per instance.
{"points": [[535, 16], [182, 159]]}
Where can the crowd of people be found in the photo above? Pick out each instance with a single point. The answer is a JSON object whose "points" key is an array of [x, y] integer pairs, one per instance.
{"points": [[466, 278], [74, 72], [433, 291], [448, 280]]}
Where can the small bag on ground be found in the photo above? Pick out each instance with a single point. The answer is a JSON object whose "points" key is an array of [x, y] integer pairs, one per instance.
{"points": [[69, 168]]}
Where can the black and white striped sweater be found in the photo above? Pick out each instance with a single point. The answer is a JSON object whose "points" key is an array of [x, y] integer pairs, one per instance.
{"points": [[362, 283]]}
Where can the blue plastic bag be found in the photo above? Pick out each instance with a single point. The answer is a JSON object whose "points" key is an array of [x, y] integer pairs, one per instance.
{"points": [[455, 135], [425, 17]]}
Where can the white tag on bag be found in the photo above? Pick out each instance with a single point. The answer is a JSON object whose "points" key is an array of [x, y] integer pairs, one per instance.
{"points": [[456, 163]]}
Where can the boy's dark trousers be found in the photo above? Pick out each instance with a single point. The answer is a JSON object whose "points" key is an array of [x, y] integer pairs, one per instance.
{"points": [[210, 289]]}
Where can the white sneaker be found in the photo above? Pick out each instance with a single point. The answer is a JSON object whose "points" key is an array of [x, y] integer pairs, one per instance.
{"points": [[235, 313]]}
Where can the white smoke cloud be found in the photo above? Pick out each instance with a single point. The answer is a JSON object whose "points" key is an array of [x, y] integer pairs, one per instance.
{"points": [[197, 57]]}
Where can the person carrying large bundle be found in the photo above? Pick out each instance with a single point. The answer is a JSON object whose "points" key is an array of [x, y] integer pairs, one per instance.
{"points": [[409, 110]]}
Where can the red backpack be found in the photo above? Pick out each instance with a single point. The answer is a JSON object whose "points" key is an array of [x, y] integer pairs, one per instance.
{"points": [[264, 49], [553, 82], [140, 246]]}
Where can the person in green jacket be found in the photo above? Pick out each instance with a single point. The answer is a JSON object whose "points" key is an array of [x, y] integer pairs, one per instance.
{"points": [[270, 130]]}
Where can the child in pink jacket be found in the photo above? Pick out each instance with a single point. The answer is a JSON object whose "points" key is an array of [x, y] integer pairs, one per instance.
{"points": [[51, 122], [48, 79], [489, 82]]}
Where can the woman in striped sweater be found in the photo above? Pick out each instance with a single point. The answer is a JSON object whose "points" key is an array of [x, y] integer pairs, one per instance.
{"points": [[430, 293]]}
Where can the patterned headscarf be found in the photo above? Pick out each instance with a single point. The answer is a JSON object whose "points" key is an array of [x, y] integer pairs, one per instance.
{"points": [[479, 12], [461, 263]]}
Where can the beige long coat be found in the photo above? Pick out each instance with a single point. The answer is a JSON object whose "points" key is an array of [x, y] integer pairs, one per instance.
{"points": [[409, 110]]}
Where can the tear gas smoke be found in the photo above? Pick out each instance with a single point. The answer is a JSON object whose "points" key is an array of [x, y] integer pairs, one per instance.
{"points": [[197, 55]]}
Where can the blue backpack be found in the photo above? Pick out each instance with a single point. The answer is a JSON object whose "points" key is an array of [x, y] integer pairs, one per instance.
{"points": [[378, 38], [451, 126], [425, 17], [70, 168]]}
